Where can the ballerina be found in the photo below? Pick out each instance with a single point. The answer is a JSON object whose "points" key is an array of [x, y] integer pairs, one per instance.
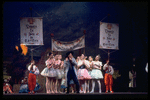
{"points": [[96, 73], [83, 74], [90, 59], [58, 67], [50, 73]]}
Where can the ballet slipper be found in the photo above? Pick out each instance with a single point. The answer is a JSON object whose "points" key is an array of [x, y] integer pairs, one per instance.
{"points": [[49, 91], [100, 91], [60, 92], [92, 92], [106, 91], [81, 91], [111, 91], [52, 92], [56, 92]]}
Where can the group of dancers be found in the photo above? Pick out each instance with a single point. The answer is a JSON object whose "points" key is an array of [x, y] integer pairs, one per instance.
{"points": [[78, 71]]}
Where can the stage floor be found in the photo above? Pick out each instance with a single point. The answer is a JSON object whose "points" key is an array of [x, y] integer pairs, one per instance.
{"points": [[103, 95]]}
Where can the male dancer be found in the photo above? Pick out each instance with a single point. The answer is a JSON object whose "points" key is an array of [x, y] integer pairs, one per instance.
{"points": [[33, 71], [70, 70], [108, 76]]}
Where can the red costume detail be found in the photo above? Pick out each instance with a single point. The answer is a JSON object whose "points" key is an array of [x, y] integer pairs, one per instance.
{"points": [[108, 80], [31, 81]]}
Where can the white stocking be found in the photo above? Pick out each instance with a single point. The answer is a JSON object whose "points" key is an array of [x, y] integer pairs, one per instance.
{"points": [[83, 87], [88, 85], [93, 85], [85, 84], [99, 84], [56, 85], [47, 85]]}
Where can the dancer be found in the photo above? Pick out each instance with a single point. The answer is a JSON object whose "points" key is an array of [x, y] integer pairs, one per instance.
{"points": [[96, 73], [83, 74], [108, 80], [58, 67], [6, 87], [24, 86], [90, 59], [89, 72], [61, 68], [70, 70], [81, 84], [55, 78], [50, 73], [32, 76], [63, 86]]}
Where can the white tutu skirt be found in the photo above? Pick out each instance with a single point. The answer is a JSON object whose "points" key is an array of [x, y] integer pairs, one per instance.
{"points": [[96, 74], [49, 72], [59, 73]]}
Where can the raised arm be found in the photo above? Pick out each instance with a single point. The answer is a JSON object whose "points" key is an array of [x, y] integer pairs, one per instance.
{"points": [[29, 67], [65, 64], [62, 64], [105, 66]]}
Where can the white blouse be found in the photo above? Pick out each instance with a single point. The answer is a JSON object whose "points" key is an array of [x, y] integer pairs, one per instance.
{"points": [[35, 69]]}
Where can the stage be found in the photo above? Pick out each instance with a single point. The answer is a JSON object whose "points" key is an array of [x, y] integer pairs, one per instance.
{"points": [[103, 95]]}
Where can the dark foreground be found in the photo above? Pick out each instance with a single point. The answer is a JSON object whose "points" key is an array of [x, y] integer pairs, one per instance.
{"points": [[115, 95]]}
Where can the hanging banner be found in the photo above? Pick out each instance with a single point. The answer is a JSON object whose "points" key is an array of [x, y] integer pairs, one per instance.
{"points": [[31, 30], [66, 46], [109, 36]]}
